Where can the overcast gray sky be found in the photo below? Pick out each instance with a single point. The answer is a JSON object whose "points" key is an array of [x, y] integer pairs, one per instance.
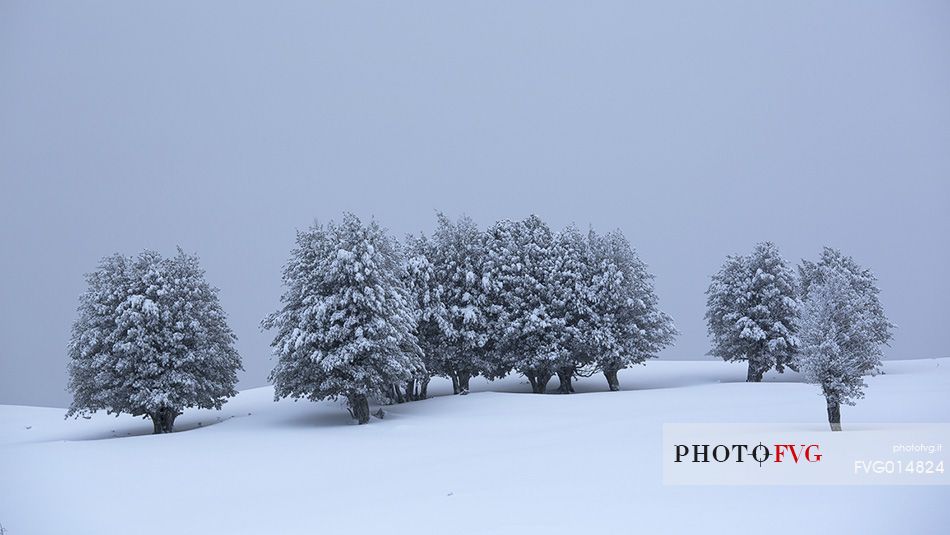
{"points": [[698, 128]]}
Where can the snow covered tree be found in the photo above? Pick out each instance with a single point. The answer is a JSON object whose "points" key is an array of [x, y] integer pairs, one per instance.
{"points": [[529, 330], [842, 329], [752, 307], [428, 313], [457, 254], [346, 325], [151, 340], [624, 325], [570, 281], [569, 304]]}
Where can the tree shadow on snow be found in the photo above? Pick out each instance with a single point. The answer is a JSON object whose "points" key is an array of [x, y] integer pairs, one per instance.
{"points": [[128, 429], [630, 381], [319, 416], [771, 377]]}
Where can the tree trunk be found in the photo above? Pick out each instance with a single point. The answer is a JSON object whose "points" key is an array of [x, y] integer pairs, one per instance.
{"points": [[416, 389], [163, 420], [539, 381], [612, 382], [359, 408], [424, 387], [564, 375], [543, 380], [464, 378], [753, 375], [834, 414], [398, 396], [169, 420], [460, 382]]}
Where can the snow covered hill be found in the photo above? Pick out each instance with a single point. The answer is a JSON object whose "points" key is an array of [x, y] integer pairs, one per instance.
{"points": [[499, 460]]}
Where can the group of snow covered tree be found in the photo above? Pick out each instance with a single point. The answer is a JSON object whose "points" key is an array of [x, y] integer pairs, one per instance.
{"points": [[826, 321], [364, 317]]}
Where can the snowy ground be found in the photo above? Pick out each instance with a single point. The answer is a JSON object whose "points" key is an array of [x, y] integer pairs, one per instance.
{"points": [[497, 461]]}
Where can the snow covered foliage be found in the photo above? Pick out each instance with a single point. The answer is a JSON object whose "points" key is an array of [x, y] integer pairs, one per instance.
{"points": [[752, 309], [346, 325], [150, 340], [623, 325], [428, 314], [571, 280], [842, 329], [528, 325], [454, 300], [569, 304]]}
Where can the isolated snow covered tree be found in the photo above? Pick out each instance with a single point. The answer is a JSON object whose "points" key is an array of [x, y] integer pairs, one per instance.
{"points": [[151, 340], [529, 331], [346, 325], [752, 307], [624, 325], [842, 329]]}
